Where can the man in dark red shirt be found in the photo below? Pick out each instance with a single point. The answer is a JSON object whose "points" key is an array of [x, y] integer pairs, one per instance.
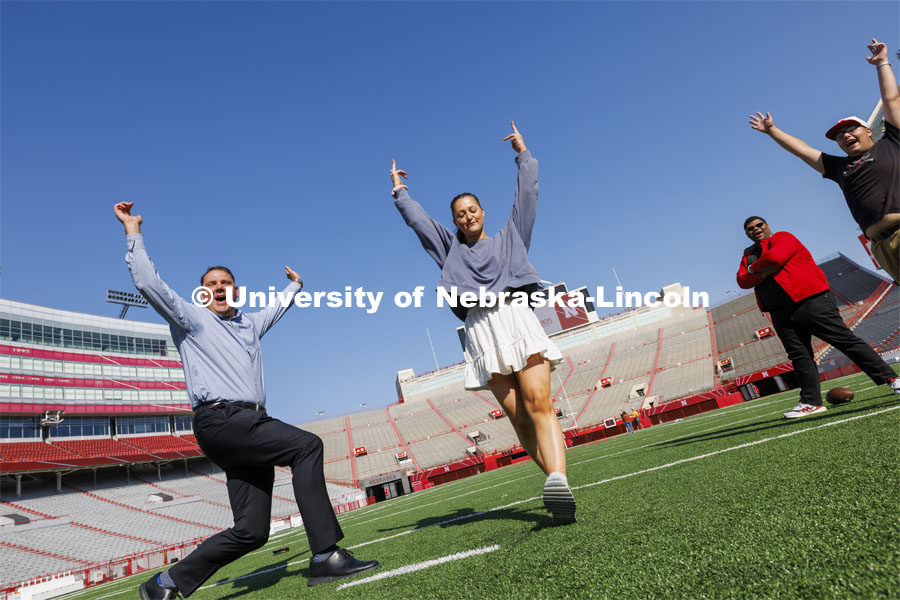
{"points": [[790, 287]]}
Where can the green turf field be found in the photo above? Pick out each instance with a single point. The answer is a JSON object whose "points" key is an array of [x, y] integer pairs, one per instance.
{"points": [[734, 503]]}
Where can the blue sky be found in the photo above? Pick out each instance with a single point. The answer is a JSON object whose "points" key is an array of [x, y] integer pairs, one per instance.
{"points": [[260, 134]]}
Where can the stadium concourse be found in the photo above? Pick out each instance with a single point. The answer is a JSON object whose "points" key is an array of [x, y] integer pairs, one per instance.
{"points": [[102, 478]]}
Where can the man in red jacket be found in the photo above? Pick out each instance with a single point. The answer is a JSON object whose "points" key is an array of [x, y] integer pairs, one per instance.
{"points": [[790, 287]]}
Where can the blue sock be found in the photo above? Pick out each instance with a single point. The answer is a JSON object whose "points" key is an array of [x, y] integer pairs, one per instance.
{"points": [[165, 580], [324, 554]]}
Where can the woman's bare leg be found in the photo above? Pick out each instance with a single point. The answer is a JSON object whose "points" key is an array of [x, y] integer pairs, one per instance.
{"points": [[506, 390], [534, 393]]}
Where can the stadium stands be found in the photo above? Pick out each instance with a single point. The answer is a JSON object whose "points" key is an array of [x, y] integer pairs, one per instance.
{"points": [[98, 447], [160, 443], [28, 451]]}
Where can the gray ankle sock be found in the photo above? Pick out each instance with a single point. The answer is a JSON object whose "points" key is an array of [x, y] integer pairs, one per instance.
{"points": [[165, 580]]}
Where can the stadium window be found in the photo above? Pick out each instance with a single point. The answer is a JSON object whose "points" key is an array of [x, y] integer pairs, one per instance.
{"points": [[12, 428]]}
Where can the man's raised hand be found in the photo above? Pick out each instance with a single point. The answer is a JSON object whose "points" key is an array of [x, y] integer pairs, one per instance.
{"points": [[131, 222], [762, 123], [879, 53], [516, 139], [293, 275]]}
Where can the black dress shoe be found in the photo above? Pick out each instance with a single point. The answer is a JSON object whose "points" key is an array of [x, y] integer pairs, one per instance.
{"points": [[150, 590], [339, 565]]}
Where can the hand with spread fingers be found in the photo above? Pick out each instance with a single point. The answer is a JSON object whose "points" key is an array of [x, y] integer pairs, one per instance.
{"points": [[516, 139], [762, 123]]}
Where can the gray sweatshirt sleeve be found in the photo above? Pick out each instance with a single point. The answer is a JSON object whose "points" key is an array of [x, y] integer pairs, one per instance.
{"points": [[161, 297], [524, 208], [264, 319], [435, 238]]}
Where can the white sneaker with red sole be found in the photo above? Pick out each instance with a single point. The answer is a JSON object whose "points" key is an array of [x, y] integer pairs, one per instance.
{"points": [[804, 410]]}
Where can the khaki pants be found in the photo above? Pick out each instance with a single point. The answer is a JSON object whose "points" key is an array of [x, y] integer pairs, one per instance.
{"points": [[887, 253]]}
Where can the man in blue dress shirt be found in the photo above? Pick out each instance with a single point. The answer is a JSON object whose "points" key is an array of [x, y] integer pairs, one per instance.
{"points": [[220, 352]]}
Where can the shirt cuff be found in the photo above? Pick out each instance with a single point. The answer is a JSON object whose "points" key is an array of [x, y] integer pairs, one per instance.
{"points": [[134, 241], [523, 156]]}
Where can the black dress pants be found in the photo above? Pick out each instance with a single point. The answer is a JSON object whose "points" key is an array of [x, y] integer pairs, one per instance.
{"points": [[247, 444], [818, 316]]}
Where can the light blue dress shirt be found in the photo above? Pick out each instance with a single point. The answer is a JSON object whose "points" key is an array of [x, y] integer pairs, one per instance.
{"points": [[222, 358]]}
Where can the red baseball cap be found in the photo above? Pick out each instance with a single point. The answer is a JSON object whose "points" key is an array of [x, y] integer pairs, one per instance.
{"points": [[830, 134]]}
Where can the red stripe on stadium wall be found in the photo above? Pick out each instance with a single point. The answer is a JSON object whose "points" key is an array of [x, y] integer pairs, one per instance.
{"points": [[88, 358], [403, 443], [71, 408], [609, 356], [352, 453], [449, 424], [715, 348], [91, 383], [659, 341], [763, 373], [555, 397]]}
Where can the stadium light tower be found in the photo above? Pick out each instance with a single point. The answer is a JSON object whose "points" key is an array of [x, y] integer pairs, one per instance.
{"points": [[126, 299]]}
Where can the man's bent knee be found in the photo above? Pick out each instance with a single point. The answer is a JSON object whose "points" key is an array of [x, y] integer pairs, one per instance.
{"points": [[250, 539]]}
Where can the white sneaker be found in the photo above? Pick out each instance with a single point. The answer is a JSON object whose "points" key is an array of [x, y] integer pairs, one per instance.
{"points": [[558, 499], [895, 385], [804, 410]]}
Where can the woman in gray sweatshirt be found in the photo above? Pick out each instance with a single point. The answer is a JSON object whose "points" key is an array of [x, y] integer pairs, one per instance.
{"points": [[507, 350]]}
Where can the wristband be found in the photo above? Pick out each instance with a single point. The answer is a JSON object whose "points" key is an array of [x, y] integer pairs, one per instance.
{"points": [[884, 64]]}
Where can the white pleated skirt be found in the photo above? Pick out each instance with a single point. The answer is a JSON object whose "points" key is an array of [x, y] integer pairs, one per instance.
{"points": [[500, 339]]}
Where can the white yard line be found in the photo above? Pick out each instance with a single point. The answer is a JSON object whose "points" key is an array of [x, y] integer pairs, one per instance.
{"points": [[420, 566]]}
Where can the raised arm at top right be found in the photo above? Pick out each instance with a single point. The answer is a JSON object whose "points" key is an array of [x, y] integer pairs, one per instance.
{"points": [[795, 146], [887, 83]]}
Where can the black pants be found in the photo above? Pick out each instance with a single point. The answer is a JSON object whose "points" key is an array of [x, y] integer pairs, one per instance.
{"points": [[818, 316], [247, 444]]}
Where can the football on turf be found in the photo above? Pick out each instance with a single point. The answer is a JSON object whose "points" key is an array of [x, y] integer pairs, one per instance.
{"points": [[840, 395]]}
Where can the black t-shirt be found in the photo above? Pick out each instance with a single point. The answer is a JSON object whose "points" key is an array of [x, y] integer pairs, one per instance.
{"points": [[771, 295], [871, 182]]}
